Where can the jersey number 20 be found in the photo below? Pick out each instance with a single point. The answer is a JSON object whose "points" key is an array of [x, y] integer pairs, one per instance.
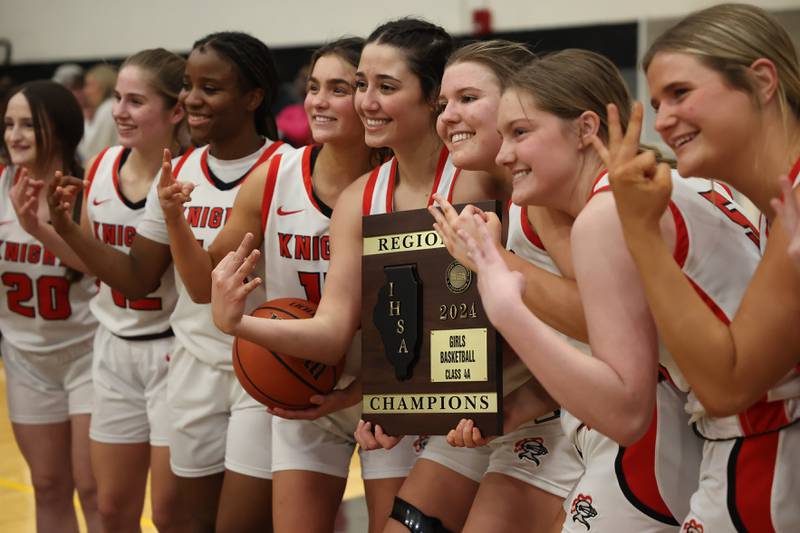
{"points": [[51, 292]]}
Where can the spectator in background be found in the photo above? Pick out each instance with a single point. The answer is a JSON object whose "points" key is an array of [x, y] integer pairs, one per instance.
{"points": [[292, 121], [100, 130], [72, 76]]}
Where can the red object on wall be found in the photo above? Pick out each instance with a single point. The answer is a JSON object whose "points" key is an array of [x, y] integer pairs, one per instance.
{"points": [[481, 21]]}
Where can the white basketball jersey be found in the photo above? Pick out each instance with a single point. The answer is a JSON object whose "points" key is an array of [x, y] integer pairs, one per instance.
{"points": [[297, 247], [718, 249], [114, 219], [379, 190], [781, 404], [296, 230], [206, 213], [42, 310], [524, 242]]}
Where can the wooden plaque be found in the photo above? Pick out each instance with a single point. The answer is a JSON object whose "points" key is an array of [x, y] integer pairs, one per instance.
{"points": [[430, 356]]}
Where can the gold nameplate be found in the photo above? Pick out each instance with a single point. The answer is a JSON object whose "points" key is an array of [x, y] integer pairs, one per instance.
{"points": [[474, 402], [459, 355], [402, 242]]}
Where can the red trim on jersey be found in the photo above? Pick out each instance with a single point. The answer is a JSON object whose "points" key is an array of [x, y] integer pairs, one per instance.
{"points": [[306, 166], [263, 157], [369, 190], [204, 165], [636, 472], [681, 251], [390, 185], [528, 230], [269, 190], [794, 174], [115, 175], [370, 187], [727, 189], [93, 170], [596, 181], [752, 474], [452, 187], [443, 154], [764, 417], [664, 373], [272, 148], [2, 168], [181, 161], [709, 301]]}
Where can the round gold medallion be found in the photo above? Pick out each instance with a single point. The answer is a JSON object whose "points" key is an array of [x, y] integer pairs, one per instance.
{"points": [[458, 277]]}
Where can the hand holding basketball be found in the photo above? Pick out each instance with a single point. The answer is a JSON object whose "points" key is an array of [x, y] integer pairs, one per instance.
{"points": [[641, 185], [229, 285], [287, 382], [323, 404], [172, 194]]}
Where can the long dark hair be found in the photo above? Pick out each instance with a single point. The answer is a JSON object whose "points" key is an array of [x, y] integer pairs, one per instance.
{"points": [[58, 128], [57, 123]]}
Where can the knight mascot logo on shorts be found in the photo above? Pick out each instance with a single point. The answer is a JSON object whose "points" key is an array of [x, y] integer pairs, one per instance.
{"points": [[582, 510], [530, 449], [693, 527]]}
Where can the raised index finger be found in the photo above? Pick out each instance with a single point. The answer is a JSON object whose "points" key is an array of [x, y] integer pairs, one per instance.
{"points": [[166, 169]]}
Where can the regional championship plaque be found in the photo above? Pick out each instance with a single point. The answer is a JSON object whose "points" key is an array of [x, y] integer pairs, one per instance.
{"points": [[430, 356]]}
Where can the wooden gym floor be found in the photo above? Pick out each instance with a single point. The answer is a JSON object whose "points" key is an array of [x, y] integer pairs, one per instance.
{"points": [[16, 493]]}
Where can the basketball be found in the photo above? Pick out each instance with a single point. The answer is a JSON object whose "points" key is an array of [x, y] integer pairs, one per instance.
{"points": [[280, 380]]}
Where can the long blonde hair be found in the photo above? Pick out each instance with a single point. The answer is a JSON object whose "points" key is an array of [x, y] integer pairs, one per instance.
{"points": [[728, 38]]}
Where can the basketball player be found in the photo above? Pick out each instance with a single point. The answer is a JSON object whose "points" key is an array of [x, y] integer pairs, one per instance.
{"points": [[533, 467], [44, 316], [218, 433], [286, 204], [725, 83], [634, 428], [517, 491], [132, 344], [397, 89]]}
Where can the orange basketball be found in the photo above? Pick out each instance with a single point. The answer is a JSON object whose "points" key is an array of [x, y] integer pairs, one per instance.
{"points": [[280, 380]]}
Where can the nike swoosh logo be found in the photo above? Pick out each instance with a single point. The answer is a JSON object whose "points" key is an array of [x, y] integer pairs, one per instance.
{"points": [[95, 202], [283, 213]]}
